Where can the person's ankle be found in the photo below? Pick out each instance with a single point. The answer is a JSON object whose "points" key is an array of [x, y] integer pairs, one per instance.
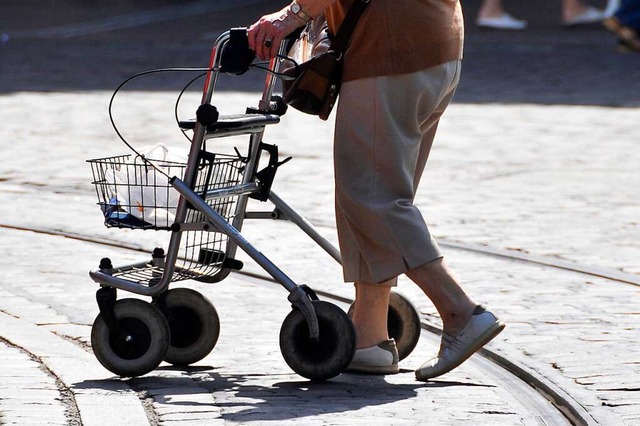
{"points": [[369, 342], [489, 15], [369, 334], [458, 320], [490, 12], [571, 12]]}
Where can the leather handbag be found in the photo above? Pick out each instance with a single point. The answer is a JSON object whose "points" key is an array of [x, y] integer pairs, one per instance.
{"points": [[316, 75]]}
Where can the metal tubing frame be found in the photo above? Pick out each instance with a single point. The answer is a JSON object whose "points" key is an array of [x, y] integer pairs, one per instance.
{"points": [[254, 150], [243, 189], [297, 295], [305, 226]]}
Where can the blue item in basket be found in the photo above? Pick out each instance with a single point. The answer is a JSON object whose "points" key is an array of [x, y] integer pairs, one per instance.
{"points": [[120, 218], [111, 207], [114, 215]]}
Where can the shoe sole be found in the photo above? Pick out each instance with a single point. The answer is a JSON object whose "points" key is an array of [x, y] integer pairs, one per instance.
{"points": [[484, 338]]}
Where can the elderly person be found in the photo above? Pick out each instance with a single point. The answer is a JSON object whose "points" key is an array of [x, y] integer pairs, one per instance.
{"points": [[401, 69]]}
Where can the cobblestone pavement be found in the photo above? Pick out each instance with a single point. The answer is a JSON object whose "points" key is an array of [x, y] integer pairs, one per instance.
{"points": [[556, 182], [244, 380], [546, 197]]}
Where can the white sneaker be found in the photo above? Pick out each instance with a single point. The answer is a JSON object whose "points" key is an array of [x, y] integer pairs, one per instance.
{"points": [[379, 359], [481, 328], [504, 22], [612, 8], [591, 15]]}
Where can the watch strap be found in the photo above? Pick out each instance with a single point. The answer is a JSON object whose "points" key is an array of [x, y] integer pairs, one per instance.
{"points": [[300, 13]]}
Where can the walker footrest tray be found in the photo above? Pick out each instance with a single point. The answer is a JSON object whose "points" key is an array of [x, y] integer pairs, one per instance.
{"points": [[150, 275]]}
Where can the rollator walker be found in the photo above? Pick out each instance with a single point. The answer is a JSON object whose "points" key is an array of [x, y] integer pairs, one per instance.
{"points": [[202, 204]]}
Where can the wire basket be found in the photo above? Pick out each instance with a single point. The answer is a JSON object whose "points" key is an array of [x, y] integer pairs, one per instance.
{"points": [[135, 195]]}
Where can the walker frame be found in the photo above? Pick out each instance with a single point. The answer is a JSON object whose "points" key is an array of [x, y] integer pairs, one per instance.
{"points": [[129, 336]]}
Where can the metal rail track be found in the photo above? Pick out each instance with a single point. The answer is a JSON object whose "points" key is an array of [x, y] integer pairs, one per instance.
{"points": [[609, 274], [567, 409]]}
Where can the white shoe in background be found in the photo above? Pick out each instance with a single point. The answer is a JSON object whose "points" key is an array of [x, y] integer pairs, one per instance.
{"points": [[504, 22], [612, 8]]}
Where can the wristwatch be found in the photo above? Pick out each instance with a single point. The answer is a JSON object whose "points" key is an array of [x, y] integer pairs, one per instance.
{"points": [[297, 10]]}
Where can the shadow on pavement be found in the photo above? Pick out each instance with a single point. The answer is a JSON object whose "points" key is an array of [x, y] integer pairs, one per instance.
{"points": [[72, 45], [242, 399]]}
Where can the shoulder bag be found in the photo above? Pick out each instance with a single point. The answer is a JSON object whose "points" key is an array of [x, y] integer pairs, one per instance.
{"points": [[316, 75]]}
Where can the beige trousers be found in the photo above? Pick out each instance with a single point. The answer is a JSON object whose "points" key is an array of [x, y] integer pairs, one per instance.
{"points": [[385, 127]]}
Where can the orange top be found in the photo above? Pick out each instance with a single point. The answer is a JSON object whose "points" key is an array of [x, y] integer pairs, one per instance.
{"points": [[400, 36]]}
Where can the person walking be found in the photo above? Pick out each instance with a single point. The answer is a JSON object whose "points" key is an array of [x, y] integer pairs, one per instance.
{"points": [[401, 69]]}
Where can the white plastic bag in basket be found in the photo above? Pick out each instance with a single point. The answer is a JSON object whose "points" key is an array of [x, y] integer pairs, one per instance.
{"points": [[146, 193]]}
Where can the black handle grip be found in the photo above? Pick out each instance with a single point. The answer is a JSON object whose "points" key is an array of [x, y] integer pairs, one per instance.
{"points": [[237, 56]]}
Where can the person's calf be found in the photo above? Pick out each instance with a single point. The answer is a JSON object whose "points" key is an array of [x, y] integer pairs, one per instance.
{"points": [[370, 311], [442, 288]]}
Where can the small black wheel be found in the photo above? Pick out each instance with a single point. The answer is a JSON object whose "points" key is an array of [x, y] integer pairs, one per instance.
{"points": [[139, 347], [326, 357], [194, 325], [403, 323]]}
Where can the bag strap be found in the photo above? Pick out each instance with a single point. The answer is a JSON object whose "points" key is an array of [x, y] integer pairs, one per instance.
{"points": [[339, 44]]}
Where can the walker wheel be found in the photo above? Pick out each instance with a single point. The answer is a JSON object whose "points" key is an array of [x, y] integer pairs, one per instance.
{"points": [[141, 345], [403, 323], [194, 325], [326, 357]]}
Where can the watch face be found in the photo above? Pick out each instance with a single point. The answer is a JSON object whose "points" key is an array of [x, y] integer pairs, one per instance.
{"points": [[295, 7]]}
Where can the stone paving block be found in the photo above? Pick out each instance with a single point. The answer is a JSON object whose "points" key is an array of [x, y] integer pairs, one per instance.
{"points": [[35, 408], [73, 366], [27, 381], [28, 414], [186, 417], [27, 393], [616, 399], [30, 395], [118, 410]]}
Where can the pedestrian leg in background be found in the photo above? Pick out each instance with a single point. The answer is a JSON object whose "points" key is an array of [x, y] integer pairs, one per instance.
{"points": [[577, 13], [492, 15]]}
